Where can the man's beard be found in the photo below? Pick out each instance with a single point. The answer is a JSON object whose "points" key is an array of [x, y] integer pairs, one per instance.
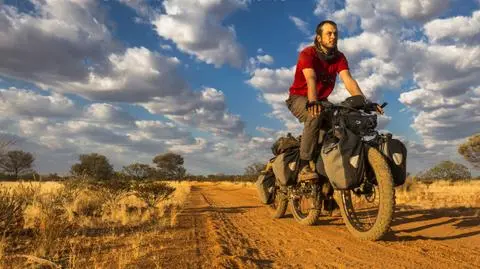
{"points": [[327, 54], [328, 50]]}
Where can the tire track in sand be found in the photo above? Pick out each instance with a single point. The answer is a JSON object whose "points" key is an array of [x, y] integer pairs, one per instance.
{"points": [[249, 238]]}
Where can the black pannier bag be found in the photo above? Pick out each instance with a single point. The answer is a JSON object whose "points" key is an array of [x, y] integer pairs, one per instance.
{"points": [[285, 167], [265, 187], [396, 154], [285, 143], [343, 155]]}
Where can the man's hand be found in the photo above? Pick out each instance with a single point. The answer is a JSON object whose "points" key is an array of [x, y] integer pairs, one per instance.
{"points": [[314, 109], [379, 109]]}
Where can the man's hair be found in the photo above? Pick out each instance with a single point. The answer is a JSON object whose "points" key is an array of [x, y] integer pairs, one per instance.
{"points": [[319, 29]]}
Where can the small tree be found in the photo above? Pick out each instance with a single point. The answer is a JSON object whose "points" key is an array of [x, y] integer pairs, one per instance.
{"points": [[16, 162], [139, 171], [93, 165], [446, 170], [5, 143], [170, 165], [254, 169], [470, 150]]}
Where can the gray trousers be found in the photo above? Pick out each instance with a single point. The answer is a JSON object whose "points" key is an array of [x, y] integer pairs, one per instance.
{"points": [[296, 104]]}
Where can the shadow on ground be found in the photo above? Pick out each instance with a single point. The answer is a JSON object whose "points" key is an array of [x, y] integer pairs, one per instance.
{"points": [[459, 217]]}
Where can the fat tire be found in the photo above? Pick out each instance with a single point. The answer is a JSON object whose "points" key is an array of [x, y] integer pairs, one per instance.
{"points": [[279, 206], [309, 220], [386, 208]]}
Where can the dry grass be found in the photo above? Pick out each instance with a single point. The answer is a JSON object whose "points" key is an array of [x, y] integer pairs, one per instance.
{"points": [[86, 224], [439, 194]]}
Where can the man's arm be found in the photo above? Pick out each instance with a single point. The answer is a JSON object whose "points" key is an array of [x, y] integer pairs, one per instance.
{"points": [[311, 79], [350, 84]]}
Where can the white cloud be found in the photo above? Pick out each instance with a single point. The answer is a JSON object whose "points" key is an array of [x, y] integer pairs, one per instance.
{"points": [[160, 130], [254, 63], [389, 15], [442, 118], [108, 113], [15, 101], [300, 24], [272, 80], [456, 29], [421, 9], [199, 145], [196, 28], [205, 110], [136, 75], [325, 7], [274, 85], [265, 59], [68, 35]]}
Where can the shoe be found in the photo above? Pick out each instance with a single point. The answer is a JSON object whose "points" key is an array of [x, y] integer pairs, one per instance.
{"points": [[307, 174]]}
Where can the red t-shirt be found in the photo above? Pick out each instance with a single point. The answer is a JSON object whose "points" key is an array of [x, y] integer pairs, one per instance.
{"points": [[326, 72]]}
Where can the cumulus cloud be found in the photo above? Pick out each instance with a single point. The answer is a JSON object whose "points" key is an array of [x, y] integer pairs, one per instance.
{"points": [[68, 35], [441, 118], [196, 28], [390, 15], [455, 29], [274, 85], [205, 110], [136, 75], [22, 102], [53, 125], [265, 59], [108, 113], [325, 7]]}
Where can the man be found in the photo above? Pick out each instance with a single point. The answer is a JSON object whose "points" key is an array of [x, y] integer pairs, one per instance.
{"points": [[315, 76]]}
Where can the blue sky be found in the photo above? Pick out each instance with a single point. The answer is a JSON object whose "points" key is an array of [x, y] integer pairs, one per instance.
{"points": [[134, 78]]}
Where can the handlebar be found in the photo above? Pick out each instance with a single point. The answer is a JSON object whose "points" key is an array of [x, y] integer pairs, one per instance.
{"points": [[326, 105]]}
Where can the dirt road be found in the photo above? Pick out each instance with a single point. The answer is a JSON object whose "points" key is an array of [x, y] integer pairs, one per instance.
{"points": [[225, 226]]}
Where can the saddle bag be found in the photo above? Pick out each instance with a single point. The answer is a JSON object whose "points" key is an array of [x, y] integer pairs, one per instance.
{"points": [[396, 154], [265, 187], [285, 167], [343, 155]]}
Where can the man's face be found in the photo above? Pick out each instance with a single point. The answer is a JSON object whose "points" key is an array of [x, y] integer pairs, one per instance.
{"points": [[329, 36]]}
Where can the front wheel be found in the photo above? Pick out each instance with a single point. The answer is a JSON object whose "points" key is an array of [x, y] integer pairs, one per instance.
{"points": [[367, 211], [303, 208]]}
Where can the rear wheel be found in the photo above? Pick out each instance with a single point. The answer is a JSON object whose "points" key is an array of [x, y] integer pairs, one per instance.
{"points": [[279, 205], [368, 210], [303, 208]]}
